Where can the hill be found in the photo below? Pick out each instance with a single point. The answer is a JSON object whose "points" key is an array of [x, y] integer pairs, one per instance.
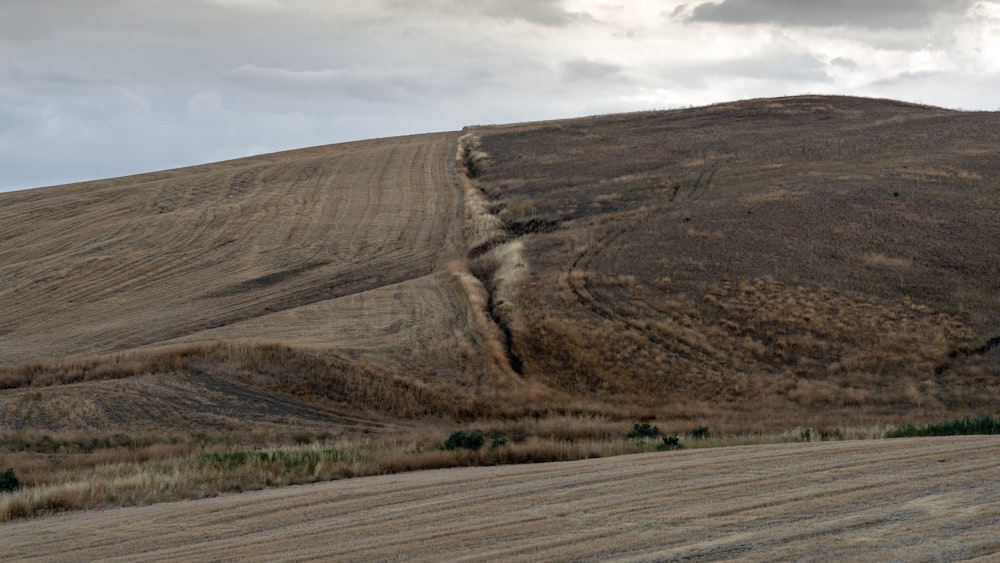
{"points": [[792, 256], [795, 267]]}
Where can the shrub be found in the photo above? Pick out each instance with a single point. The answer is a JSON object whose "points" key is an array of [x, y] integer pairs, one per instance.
{"points": [[670, 443], [985, 424], [641, 431], [9, 481], [700, 433], [465, 440], [827, 435], [497, 442]]}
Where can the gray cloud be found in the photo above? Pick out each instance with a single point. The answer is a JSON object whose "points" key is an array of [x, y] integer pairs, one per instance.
{"points": [[542, 12], [778, 65], [109, 87], [587, 70], [369, 84], [871, 14], [845, 62]]}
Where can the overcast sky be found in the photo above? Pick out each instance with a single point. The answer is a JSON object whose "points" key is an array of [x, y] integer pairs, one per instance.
{"points": [[99, 88]]}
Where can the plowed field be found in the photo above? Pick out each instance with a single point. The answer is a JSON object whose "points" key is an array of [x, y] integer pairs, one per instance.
{"points": [[904, 500], [317, 246]]}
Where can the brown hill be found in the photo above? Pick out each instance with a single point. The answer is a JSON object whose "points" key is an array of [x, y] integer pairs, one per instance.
{"points": [[771, 256], [751, 266], [181, 286]]}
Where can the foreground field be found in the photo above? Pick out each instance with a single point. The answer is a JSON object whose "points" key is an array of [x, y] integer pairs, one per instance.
{"points": [[904, 499]]}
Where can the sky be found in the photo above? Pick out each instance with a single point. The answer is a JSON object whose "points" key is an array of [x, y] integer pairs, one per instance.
{"points": [[93, 89]]}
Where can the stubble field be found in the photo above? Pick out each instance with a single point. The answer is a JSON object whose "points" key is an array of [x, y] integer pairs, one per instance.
{"points": [[901, 500]]}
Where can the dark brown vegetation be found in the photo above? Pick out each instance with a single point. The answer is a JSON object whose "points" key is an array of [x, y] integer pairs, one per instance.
{"points": [[792, 256]]}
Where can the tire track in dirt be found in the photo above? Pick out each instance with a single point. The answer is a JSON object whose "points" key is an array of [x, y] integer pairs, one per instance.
{"points": [[905, 499]]}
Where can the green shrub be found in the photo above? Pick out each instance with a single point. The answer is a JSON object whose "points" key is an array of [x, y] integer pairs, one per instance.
{"points": [[670, 443], [985, 424], [700, 433], [9, 481], [461, 439], [497, 442], [641, 431], [827, 435]]}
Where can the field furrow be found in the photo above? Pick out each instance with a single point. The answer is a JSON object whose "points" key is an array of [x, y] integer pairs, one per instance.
{"points": [[108, 268], [901, 499]]}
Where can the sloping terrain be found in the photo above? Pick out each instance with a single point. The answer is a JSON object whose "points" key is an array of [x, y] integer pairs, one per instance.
{"points": [[829, 261], [900, 500], [792, 256], [114, 265], [178, 284]]}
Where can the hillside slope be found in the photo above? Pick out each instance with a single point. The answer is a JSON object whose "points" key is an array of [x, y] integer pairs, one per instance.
{"points": [[788, 255], [754, 266], [181, 285], [114, 265], [904, 500]]}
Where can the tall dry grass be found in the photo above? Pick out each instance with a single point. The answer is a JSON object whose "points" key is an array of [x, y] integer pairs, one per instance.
{"points": [[277, 367], [205, 466]]}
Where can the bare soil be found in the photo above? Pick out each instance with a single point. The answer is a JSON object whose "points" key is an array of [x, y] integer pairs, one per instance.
{"points": [[900, 500]]}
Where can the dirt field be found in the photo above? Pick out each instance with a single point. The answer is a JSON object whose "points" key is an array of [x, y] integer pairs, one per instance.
{"points": [[341, 250], [261, 247], [901, 500]]}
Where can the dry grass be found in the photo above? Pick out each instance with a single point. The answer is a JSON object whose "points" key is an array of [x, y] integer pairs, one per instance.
{"points": [[74, 472], [769, 255]]}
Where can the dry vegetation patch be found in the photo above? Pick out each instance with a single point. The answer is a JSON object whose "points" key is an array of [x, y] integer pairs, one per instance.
{"points": [[772, 254]]}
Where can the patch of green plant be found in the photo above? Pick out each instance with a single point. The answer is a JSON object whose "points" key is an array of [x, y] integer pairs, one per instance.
{"points": [[700, 433], [498, 442], [806, 434], [460, 439], [642, 431], [670, 443], [966, 426], [9, 481]]}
